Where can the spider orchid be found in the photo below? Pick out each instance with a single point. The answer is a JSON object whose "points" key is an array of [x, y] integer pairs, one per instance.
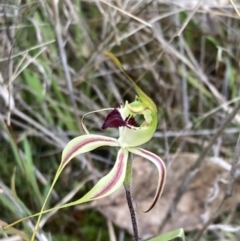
{"points": [[132, 134]]}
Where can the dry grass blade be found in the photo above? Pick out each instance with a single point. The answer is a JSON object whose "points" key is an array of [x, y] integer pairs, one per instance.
{"points": [[64, 59], [128, 14]]}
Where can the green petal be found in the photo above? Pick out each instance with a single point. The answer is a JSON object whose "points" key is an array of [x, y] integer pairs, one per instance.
{"points": [[111, 182], [83, 144], [161, 171], [78, 145]]}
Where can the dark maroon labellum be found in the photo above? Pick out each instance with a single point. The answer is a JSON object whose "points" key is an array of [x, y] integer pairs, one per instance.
{"points": [[113, 120], [131, 121]]}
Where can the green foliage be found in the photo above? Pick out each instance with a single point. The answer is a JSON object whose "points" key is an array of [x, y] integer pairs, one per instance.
{"points": [[177, 234]]}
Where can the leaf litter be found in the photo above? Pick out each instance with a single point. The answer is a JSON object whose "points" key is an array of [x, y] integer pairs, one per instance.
{"points": [[195, 206]]}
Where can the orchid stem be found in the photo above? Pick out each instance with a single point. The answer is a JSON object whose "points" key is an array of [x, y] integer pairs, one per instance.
{"points": [[128, 190]]}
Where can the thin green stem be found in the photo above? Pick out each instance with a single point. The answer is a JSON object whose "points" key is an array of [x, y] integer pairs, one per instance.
{"points": [[45, 202], [128, 190]]}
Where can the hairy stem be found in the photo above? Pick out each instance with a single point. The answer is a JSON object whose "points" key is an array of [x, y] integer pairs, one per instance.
{"points": [[128, 191]]}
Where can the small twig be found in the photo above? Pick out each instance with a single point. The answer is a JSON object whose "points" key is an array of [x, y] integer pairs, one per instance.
{"points": [[190, 173], [128, 191], [184, 86]]}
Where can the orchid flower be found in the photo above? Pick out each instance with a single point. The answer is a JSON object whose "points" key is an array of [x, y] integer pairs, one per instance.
{"points": [[132, 134]]}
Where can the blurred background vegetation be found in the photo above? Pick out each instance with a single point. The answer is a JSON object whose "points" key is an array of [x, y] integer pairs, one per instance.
{"points": [[184, 54]]}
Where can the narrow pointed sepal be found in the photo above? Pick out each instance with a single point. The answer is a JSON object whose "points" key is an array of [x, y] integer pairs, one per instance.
{"points": [[111, 182], [161, 171], [83, 144]]}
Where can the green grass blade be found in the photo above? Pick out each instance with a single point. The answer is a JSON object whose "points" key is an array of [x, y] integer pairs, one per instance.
{"points": [[178, 233]]}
